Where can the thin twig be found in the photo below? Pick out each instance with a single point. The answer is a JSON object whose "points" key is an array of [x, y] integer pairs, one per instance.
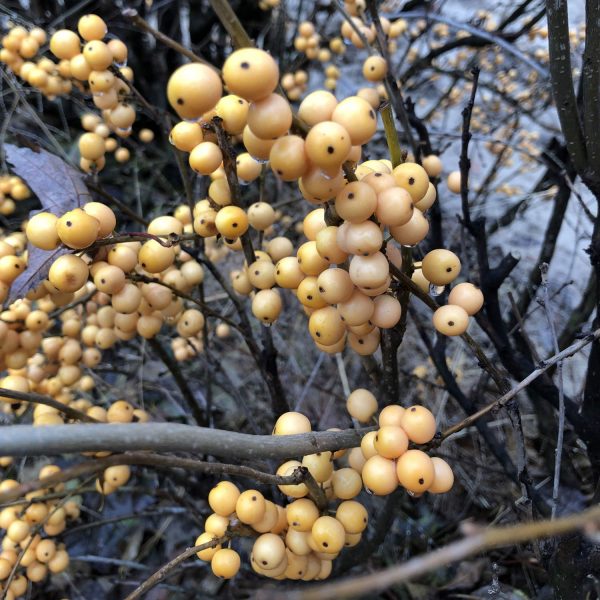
{"points": [[544, 301], [180, 380], [116, 202], [543, 367], [483, 360], [391, 86], [132, 15], [202, 305], [232, 180], [339, 359], [464, 161], [34, 398], [232, 24], [166, 241], [158, 461], [83, 300], [165, 570]]}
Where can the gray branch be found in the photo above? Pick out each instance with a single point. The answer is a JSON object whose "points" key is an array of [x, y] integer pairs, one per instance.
{"points": [[26, 440], [561, 76]]}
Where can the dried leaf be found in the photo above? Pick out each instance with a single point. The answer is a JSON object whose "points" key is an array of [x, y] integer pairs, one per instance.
{"points": [[58, 186], [467, 574], [38, 264]]}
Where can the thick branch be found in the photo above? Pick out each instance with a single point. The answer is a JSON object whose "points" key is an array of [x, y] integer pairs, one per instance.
{"points": [[591, 397], [562, 81], [477, 542], [590, 82], [25, 440]]}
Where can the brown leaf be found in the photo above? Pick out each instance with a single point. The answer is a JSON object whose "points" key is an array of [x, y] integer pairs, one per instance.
{"points": [[58, 186], [59, 189], [38, 264]]}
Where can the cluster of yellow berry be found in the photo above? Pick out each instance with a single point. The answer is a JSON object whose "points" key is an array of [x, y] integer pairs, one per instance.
{"points": [[117, 308], [29, 527], [12, 189], [12, 261], [346, 303], [49, 365], [294, 84], [308, 41], [19, 53], [103, 66], [139, 304], [391, 29], [98, 68], [300, 541], [343, 302], [97, 142], [384, 458]]}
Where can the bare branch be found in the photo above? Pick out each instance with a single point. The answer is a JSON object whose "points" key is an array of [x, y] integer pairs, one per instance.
{"points": [[26, 440], [504, 399], [158, 461], [484, 361], [475, 543], [232, 24], [34, 398], [590, 81], [545, 302], [132, 15], [562, 81], [165, 570], [180, 380], [465, 162]]}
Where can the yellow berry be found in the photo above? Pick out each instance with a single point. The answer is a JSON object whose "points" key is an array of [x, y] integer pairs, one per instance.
{"points": [[251, 74], [194, 89], [415, 471], [225, 563]]}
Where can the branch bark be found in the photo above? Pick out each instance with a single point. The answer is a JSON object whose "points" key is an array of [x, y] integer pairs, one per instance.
{"points": [[478, 541], [504, 399], [180, 380], [165, 570], [590, 81], [159, 461], [34, 398], [26, 440], [562, 81]]}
